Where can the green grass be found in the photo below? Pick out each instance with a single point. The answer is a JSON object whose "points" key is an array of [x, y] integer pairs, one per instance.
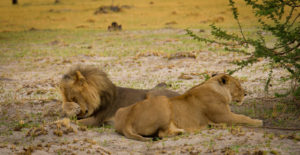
{"points": [[66, 43], [29, 45]]}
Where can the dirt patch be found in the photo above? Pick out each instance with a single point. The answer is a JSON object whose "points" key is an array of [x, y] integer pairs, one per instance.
{"points": [[276, 112], [111, 9], [180, 55]]}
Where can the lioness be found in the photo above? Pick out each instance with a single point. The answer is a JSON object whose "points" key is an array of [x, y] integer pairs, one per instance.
{"points": [[88, 94], [203, 104]]}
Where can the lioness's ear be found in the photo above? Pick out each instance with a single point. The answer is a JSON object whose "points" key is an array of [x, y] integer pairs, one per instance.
{"points": [[223, 80], [79, 77]]}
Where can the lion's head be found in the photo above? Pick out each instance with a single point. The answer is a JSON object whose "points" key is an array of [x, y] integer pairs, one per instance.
{"points": [[87, 86], [233, 85]]}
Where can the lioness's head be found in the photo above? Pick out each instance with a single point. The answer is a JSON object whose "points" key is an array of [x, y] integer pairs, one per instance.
{"points": [[233, 85], [89, 87]]}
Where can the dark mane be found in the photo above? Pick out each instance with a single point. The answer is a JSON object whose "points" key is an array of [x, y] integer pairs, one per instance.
{"points": [[97, 80]]}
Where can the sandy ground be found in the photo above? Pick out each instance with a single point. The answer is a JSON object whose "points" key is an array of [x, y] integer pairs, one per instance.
{"points": [[31, 107]]}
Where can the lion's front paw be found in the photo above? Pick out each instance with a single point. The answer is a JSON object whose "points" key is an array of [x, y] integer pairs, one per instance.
{"points": [[71, 109]]}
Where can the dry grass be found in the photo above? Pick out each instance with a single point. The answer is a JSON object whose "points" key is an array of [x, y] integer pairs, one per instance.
{"points": [[142, 14]]}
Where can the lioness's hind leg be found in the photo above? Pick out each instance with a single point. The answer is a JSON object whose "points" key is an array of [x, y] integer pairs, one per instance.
{"points": [[172, 130], [132, 135]]}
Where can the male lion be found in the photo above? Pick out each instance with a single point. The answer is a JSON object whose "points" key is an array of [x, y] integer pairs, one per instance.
{"points": [[89, 94], [203, 104]]}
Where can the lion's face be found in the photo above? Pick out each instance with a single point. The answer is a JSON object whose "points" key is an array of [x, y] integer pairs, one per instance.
{"points": [[75, 88], [233, 85]]}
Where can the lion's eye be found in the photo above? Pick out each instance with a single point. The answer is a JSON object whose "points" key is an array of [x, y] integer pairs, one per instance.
{"points": [[74, 100]]}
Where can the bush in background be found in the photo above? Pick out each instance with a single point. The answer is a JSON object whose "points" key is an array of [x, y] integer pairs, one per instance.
{"points": [[280, 18]]}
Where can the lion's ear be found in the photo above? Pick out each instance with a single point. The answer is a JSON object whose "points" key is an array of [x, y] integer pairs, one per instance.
{"points": [[149, 95], [215, 74], [223, 80], [79, 77]]}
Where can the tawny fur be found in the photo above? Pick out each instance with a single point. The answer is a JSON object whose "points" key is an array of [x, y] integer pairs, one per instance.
{"points": [[146, 118], [90, 89], [203, 104]]}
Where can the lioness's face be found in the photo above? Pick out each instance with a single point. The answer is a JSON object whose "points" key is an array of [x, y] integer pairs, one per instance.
{"points": [[233, 85], [75, 89], [236, 90]]}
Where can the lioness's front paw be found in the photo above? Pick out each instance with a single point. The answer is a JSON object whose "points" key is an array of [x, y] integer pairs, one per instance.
{"points": [[258, 123], [71, 109]]}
